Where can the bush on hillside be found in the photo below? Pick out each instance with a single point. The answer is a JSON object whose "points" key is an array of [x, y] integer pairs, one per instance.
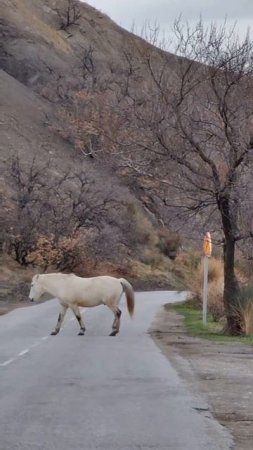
{"points": [[59, 254], [169, 243]]}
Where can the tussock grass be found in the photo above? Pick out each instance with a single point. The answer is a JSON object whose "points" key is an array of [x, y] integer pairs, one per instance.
{"points": [[192, 269], [245, 309], [247, 315], [213, 331], [215, 286]]}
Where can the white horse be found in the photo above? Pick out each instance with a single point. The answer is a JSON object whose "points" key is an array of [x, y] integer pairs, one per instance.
{"points": [[73, 291]]}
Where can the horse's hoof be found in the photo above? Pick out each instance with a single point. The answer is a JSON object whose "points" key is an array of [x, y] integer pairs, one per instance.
{"points": [[81, 333], [113, 333], [54, 333]]}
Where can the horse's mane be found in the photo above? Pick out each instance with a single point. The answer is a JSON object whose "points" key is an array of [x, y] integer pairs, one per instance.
{"points": [[65, 274], [60, 274]]}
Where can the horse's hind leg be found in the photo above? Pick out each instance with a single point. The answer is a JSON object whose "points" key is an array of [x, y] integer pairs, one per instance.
{"points": [[116, 322], [79, 319], [60, 320]]}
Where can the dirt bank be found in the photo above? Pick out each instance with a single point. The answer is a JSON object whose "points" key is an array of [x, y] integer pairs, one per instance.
{"points": [[223, 372]]}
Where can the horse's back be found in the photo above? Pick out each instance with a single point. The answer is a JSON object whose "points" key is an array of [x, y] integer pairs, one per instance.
{"points": [[91, 291]]}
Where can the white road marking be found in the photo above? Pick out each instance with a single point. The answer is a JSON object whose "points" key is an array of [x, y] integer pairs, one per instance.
{"points": [[23, 352], [5, 363], [27, 350]]}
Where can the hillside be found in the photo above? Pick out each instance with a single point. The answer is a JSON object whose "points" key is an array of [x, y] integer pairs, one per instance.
{"points": [[45, 66], [50, 188], [50, 60], [94, 57]]}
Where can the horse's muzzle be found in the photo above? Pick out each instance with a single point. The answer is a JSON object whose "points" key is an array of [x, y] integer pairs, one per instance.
{"points": [[31, 300]]}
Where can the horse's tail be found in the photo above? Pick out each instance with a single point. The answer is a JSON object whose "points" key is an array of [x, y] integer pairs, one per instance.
{"points": [[128, 289]]}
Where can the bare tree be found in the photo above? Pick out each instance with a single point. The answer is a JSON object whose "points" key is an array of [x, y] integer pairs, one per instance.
{"points": [[196, 123], [69, 14], [30, 206]]}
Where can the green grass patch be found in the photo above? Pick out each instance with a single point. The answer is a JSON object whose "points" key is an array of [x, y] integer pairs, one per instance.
{"points": [[213, 331]]}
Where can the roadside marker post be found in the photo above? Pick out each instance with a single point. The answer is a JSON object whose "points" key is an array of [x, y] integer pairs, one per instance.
{"points": [[207, 247]]}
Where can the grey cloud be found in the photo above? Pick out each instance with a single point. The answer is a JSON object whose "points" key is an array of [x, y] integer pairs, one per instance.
{"points": [[211, 9], [127, 12]]}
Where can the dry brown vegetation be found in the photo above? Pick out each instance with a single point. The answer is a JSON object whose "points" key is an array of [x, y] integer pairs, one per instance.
{"points": [[192, 267], [215, 286]]}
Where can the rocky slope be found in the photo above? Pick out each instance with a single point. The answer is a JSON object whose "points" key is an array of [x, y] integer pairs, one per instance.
{"points": [[43, 65]]}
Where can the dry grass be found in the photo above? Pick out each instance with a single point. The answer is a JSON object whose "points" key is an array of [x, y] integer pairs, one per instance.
{"points": [[150, 277], [185, 267], [153, 258], [54, 37], [141, 227], [247, 315], [11, 271], [245, 309], [191, 266], [215, 299], [169, 243], [215, 286], [215, 272]]}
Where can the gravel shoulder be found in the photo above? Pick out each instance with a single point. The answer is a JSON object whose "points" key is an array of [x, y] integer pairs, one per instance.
{"points": [[222, 372]]}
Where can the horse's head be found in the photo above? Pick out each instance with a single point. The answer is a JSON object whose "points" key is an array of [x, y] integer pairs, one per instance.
{"points": [[36, 289]]}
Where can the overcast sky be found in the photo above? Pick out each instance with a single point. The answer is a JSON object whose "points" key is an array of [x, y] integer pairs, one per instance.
{"points": [[127, 12]]}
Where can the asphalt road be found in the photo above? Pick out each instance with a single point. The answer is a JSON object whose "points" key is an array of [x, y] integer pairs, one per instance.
{"points": [[69, 392]]}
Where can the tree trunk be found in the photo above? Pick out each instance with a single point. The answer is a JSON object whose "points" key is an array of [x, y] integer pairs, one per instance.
{"points": [[231, 289]]}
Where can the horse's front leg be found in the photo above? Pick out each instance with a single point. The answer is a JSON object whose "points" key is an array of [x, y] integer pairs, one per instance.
{"points": [[60, 320], [79, 319]]}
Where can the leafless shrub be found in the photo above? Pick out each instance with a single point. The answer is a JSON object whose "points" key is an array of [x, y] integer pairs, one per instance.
{"points": [[69, 14], [49, 210], [88, 67]]}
